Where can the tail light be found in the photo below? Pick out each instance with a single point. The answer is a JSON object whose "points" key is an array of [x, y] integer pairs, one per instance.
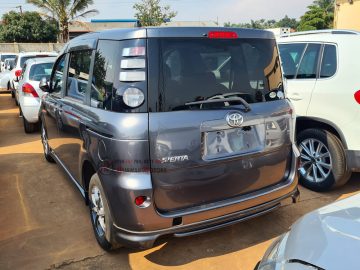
{"points": [[28, 90], [357, 96], [18, 72], [222, 35]]}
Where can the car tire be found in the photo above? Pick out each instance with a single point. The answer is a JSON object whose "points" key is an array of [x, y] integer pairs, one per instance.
{"points": [[100, 215], [45, 143], [28, 127], [16, 102], [322, 161], [12, 94]]}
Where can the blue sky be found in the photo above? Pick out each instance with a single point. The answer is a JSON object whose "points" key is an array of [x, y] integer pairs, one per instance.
{"points": [[195, 10]]}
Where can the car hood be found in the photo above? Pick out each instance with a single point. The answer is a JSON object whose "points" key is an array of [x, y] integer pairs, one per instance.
{"points": [[329, 237]]}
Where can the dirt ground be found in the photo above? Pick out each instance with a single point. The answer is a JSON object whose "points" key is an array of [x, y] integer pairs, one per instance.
{"points": [[44, 223]]}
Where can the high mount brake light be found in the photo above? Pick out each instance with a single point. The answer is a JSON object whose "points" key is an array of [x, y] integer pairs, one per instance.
{"points": [[222, 35]]}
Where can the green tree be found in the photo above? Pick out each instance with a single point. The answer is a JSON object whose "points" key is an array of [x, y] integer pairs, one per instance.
{"points": [[288, 22], [27, 27], [266, 24], [150, 13], [320, 15], [64, 12]]}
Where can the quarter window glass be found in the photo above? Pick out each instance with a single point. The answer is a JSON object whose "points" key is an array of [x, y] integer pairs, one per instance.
{"points": [[290, 57], [78, 74], [329, 62], [106, 88], [309, 62], [56, 80]]}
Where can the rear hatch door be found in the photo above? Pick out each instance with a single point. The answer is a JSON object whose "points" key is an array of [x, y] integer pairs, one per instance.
{"points": [[222, 126]]}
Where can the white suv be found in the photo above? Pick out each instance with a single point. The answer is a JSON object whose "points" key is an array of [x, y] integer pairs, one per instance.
{"points": [[323, 83], [15, 73]]}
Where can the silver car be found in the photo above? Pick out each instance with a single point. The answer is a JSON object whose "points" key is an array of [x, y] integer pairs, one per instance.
{"points": [[328, 238], [171, 131]]}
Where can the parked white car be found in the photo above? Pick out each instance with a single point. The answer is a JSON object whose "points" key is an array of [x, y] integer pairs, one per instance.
{"points": [[20, 60], [4, 56], [29, 92], [327, 238], [5, 80], [323, 84]]}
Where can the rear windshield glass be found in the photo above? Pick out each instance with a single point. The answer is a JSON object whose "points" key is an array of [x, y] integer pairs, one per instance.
{"points": [[39, 71], [204, 69], [4, 56], [25, 58]]}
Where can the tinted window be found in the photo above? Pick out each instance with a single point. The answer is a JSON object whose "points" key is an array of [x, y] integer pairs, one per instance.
{"points": [[39, 71], [107, 88], [329, 62], [309, 62], [203, 69], [25, 58], [78, 74], [290, 57], [4, 56], [56, 80]]}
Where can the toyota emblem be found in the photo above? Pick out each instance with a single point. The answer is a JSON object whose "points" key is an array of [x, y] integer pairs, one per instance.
{"points": [[234, 119]]}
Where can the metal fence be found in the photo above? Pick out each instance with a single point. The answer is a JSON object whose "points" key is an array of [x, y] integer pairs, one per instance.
{"points": [[30, 47]]}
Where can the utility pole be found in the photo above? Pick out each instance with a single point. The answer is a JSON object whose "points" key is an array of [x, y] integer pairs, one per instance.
{"points": [[20, 7]]}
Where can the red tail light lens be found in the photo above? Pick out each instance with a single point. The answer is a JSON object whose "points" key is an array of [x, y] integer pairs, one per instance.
{"points": [[28, 90], [222, 35], [357, 96], [18, 73]]}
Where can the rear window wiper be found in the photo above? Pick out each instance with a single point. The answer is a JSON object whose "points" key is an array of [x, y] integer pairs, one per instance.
{"points": [[241, 100]]}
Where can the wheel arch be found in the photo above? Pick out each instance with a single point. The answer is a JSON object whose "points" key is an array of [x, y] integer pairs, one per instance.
{"points": [[303, 123]]}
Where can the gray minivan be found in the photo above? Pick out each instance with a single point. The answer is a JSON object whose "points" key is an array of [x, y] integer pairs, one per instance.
{"points": [[171, 130]]}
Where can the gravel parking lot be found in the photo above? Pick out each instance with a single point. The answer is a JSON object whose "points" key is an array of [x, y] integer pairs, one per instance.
{"points": [[44, 222]]}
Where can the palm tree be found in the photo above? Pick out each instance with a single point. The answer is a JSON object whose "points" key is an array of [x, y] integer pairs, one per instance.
{"points": [[326, 5], [64, 12]]}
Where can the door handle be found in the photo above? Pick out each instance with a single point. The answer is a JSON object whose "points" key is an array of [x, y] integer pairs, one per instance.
{"points": [[295, 96]]}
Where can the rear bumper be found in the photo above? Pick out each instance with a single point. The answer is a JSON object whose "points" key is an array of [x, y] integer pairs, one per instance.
{"points": [[353, 160], [140, 227], [146, 239]]}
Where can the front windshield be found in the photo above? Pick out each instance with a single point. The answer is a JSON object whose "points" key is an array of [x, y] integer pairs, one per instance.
{"points": [[204, 69]]}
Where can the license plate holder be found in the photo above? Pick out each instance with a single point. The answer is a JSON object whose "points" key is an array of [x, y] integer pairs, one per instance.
{"points": [[230, 142]]}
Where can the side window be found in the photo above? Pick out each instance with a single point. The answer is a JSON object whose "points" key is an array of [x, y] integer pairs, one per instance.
{"points": [[57, 74], [329, 62], [78, 74], [309, 62], [290, 57]]}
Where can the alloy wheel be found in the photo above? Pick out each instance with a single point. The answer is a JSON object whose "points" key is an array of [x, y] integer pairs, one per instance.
{"points": [[44, 140], [315, 160], [97, 210]]}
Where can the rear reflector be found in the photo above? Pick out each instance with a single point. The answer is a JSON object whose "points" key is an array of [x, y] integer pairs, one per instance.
{"points": [[134, 51], [357, 96], [18, 73], [132, 63], [222, 34], [28, 90], [132, 76]]}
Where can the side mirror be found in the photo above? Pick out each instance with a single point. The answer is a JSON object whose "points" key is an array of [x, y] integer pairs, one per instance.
{"points": [[44, 85]]}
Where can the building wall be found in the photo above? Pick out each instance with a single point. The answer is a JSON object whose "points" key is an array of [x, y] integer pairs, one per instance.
{"points": [[347, 14], [30, 47]]}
